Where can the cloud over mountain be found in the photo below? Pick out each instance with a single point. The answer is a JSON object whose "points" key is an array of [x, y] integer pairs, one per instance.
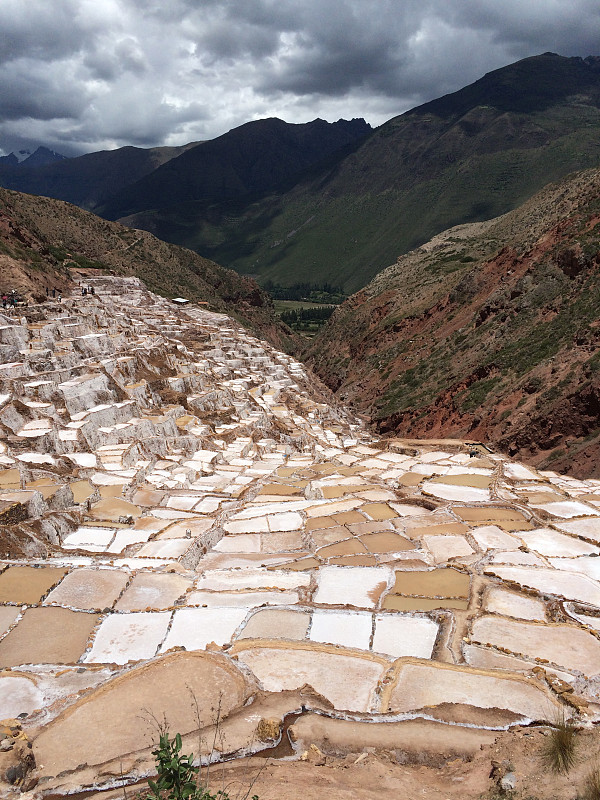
{"points": [[82, 75]]}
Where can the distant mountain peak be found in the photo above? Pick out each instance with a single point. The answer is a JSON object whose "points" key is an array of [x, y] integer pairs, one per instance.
{"points": [[41, 157], [38, 158]]}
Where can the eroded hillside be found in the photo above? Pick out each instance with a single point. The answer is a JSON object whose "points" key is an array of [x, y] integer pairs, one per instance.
{"points": [[490, 330]]}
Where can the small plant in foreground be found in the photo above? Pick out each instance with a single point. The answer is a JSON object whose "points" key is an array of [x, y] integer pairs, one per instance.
{"points": [[559, 749], [177, 776]]}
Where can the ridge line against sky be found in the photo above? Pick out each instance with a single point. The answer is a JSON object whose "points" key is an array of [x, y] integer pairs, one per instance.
{"points": [[86, 75]]}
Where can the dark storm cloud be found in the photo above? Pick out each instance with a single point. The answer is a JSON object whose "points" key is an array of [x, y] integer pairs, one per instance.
{"points": [[90, 74]]}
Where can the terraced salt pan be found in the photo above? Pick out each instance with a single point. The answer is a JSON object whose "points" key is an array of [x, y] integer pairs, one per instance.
{"points": [[20, 584], [422, 685], [549, 542], [443, 548], [195, 628], [511, 604], [343, 628], [87, 538], [552, 582], [128, 637], [89, 589], [586, 565], [164, 548], [588, 528], [241, 599], [276, 623], [567, 509], [220, 580], [400, 636], [8, 615], [585, 619], [463, 494], [519, 557], [281, 668], [19, 695], [153, 590], [244, 543], [47, 636], [491, 537], [356, 586], [163, 687], [565, 645], [486, 658]]}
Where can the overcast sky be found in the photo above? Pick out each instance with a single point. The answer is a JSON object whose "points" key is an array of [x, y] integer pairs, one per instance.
{"points": [[84, 75]]}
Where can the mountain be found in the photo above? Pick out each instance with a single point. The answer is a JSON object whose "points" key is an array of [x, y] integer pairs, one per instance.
{"points": [[26, 159], [468, 156], [86, 180], [489, 331], [254, 159], [47, 244], [41, 157]]}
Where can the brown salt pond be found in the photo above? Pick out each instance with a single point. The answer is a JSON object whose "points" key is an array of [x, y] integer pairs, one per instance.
{"points": [[378, 511], [28, 584], [353, 561], [326, 536], [47, 636], [410, 479], [386, 542], [298, 565], [348, 517], [506, 518], [464, 479], [434, 583], [346, 548], [334, 520], [275, 623], [283, 489], [417, 531], [45, 486], [113, 490], [111, 508], [10, 479], [395, 602], [8, 615], [81, 491]]}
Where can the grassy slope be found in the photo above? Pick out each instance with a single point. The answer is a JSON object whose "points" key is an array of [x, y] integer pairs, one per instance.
{"points": [[348, 236], [490, 331]]}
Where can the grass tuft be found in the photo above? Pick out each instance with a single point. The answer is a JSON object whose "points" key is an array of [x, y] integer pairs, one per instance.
{"points": [[559, 749]]}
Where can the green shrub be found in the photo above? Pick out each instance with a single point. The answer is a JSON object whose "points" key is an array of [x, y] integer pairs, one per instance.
{"points": [[177, 777]]}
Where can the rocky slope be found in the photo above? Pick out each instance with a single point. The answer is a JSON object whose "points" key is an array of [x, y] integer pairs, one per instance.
{"points": [[46, 244], [490, 330]]}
